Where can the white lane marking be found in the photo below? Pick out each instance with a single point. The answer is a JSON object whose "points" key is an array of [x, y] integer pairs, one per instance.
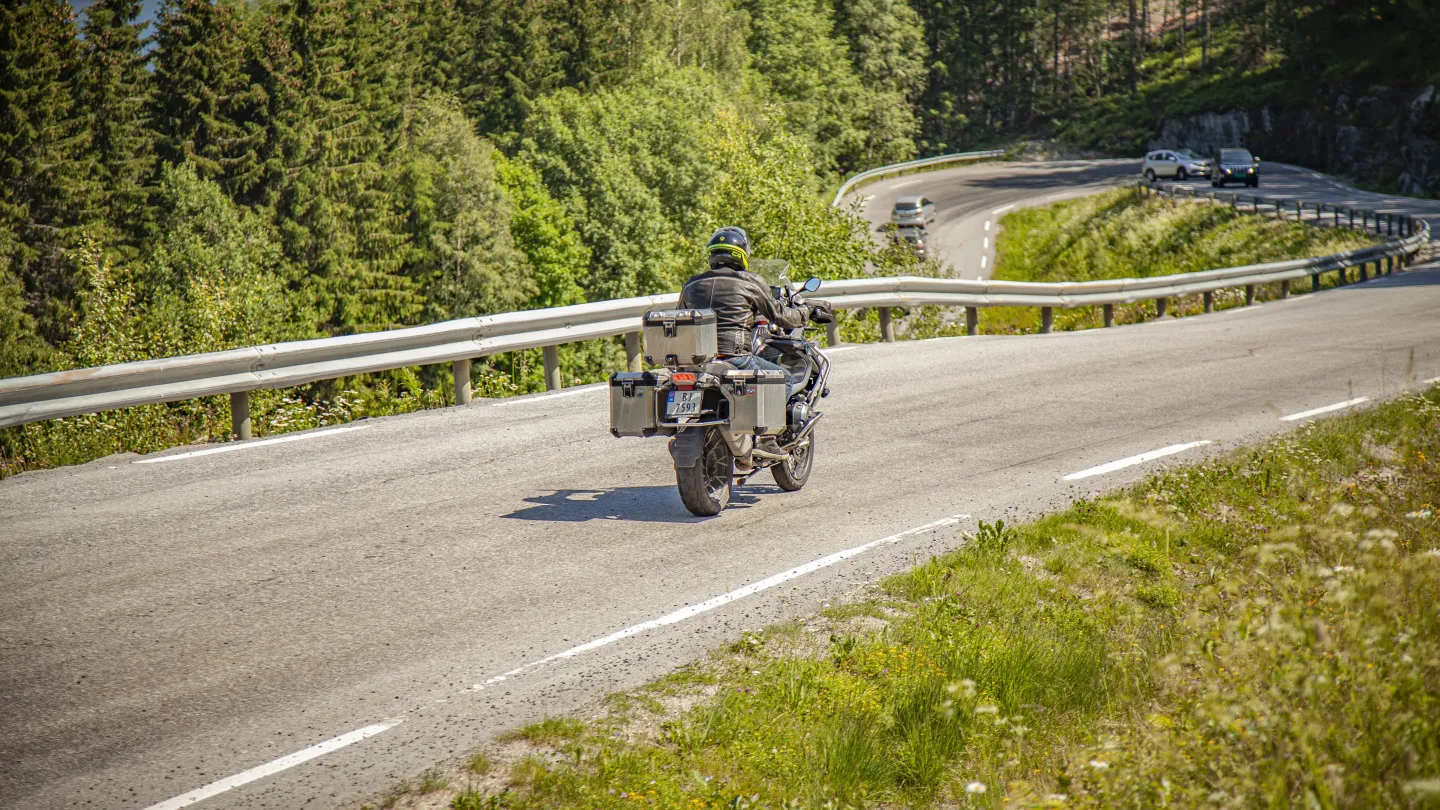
{"points": [[838, 349], [1430, 381], [1002, 209], [908, 183], [719, 601], [987, 224], [987, 243], [229, 448], [1133, 460], [983, 261], [574, 392], [1054, 196], [273, 766], [1339, 406]]}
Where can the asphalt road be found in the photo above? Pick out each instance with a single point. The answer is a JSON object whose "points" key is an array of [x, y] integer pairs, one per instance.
{"points": [[166, 626]]}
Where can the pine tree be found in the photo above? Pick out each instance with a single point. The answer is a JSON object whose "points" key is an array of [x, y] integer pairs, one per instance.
{"points": [[205, 105], [114, 93], [331, 174], [46, 193]]}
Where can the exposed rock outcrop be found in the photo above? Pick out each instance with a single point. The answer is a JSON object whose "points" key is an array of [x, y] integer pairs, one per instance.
{"points": [[1384, 138]]}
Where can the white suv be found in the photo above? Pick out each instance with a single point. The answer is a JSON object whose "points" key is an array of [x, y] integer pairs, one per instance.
{"points": [[1181, 164]]}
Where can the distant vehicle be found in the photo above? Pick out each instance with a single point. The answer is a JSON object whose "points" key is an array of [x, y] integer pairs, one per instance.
{"points": [[1235, 166], [912, 211], [914, 237], [1181, 164]]}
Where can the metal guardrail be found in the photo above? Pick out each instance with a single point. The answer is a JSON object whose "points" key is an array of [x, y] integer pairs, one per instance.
{"points": [[910, 165], [283, 365]]}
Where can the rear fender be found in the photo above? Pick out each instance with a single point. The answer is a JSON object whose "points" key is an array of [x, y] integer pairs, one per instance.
{"points": [[685, 447]]}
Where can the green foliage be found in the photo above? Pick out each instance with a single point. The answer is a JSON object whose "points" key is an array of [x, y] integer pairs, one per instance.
{"points": [[1118, 234], [546, 234], [459, 211], [1253, 631]]}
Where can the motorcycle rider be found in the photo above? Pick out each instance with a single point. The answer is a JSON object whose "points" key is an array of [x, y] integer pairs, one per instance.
{"points": [[738, 297]]}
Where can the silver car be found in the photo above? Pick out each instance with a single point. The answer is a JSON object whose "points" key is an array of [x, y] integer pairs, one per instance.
{"points": [[912, 211], [1180, 164]]}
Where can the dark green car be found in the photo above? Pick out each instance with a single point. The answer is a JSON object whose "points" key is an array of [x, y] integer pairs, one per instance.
{"points": [[1235, 166]]}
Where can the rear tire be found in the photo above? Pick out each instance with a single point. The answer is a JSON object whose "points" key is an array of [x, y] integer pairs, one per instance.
{"points": [[1182, 175], [1150, 175], [1254, 183], [791, 475], [705, 487]]}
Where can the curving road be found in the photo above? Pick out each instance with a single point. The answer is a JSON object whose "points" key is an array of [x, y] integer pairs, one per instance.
{"points": [[397, 591]]}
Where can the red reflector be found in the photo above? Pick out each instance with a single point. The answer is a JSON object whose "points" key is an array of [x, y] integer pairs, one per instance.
{"points": [[683, 381]]}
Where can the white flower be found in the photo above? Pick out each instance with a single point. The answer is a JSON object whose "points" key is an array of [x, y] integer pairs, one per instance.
{"points": [[987, 709], [1099, 764], [975, 787]]}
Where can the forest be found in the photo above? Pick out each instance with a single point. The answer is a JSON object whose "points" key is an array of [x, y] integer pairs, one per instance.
{"points": [[246, 171]]}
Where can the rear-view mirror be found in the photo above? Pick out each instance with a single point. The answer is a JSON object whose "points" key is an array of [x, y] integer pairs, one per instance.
{"points": [[811, 284]]}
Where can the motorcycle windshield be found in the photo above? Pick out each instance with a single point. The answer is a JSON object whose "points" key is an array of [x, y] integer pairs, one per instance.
{"points": [[776, 272]]}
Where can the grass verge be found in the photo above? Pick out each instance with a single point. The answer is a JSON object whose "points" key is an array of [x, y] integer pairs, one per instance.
{"points": [[1261, 630]]}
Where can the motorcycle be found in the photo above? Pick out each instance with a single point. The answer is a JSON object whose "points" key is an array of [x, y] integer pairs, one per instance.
{"points": [[718, 415]]}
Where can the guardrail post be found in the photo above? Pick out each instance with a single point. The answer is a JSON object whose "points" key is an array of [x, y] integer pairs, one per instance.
{"points": [[1047, 319], [1365, 271], [1285, 288], [1249, 294], [1161, 305], [1314, 282], [887, 330], [552, 368], [240, 415], [1234, 202], [1352, 219], [634, 361], [461, 369], [1389, 224], [1109, 315], [1343, 277], [1208, 297], [832, 334], [972, 321]]}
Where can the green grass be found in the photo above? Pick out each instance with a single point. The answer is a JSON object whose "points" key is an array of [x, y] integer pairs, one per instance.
{"points": [[1261, 630]]}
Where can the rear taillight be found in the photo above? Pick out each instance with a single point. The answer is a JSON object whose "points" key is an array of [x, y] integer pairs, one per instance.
{"points": [[683, 381]]}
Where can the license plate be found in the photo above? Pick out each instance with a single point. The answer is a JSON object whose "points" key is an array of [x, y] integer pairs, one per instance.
{"points": [[683, 403]]}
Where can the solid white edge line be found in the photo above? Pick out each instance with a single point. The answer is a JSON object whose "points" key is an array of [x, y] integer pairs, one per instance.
{"points": [[558, 395], [908, 183], [708, 605], [1339, 406], [1002, 209], [273, 766], [1430, 381], [230, 448], [838, 349], [1133, 460]]}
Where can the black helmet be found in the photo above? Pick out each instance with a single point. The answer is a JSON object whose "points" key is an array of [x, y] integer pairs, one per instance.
{"points": [[729, 247]]}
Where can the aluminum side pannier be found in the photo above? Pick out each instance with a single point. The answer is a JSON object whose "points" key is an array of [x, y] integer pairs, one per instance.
{"points": [[680, 337], [757, 400], [633, 405]]}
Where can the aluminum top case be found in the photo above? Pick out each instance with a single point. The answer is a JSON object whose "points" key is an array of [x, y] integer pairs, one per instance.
{"points": [[680, 337]]}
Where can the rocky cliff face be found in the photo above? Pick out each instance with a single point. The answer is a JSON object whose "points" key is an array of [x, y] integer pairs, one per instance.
{"points": [[1383, 138]]}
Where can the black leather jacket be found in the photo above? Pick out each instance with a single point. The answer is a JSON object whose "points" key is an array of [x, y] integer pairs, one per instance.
{"points": [[737, 297]]}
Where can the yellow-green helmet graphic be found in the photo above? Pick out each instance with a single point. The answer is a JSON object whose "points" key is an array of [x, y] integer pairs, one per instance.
{"points": [[729, 247]]}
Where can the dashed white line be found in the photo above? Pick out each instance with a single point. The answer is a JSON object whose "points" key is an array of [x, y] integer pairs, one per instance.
{"points": [[1339, 406], [291, 760], [230, 448], [984, 260], [691, 611], [574, 392], [987, 243], [1002, 209], [908, 183], [273, 766], [987, 224], [1133, 460]]}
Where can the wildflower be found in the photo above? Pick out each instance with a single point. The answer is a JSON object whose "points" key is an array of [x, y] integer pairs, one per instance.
{"points": [[987, 709], [1099, 764], [975, 787]]}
